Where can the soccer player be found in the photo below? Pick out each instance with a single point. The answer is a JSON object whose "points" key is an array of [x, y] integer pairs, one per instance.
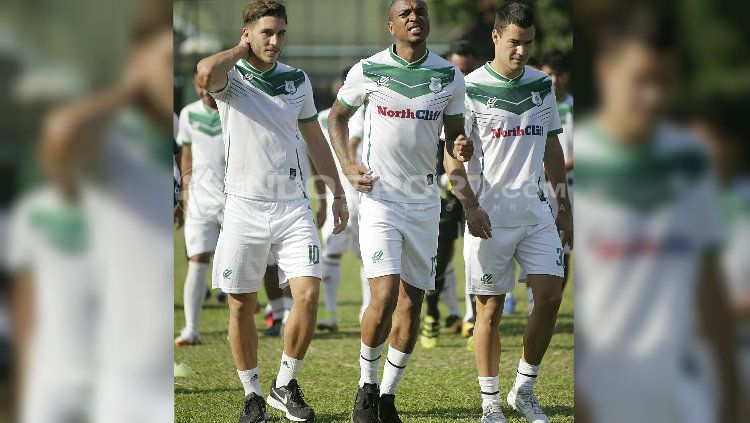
{"points": [[334, 245], [202, 170], [651, 314], [512, 114], [409, 91], [262, 104], [462, 55]]}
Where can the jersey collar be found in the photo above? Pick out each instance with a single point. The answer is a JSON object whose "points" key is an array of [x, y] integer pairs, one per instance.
{"points": [[257, 72], [403, 62], [494, 73]]}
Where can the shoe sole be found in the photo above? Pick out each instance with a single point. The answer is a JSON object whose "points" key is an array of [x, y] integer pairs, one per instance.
{"points": [[279, 406]]}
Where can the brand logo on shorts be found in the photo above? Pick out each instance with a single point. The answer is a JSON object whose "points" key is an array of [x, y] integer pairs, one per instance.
{"points": [[377, 257], [486, 279], [227, 273]]}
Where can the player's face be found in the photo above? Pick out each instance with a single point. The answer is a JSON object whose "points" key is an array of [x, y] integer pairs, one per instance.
{"points": [[204, 95], [465, 64], [409, 21], [513, 46], [266, 36], [635, 83], [559, 81]]}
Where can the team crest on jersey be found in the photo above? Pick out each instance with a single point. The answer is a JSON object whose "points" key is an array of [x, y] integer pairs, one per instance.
{"points": [[247, 77], [536, 98], [383, 81], [289, 87], [491, 102], [436, 85]]}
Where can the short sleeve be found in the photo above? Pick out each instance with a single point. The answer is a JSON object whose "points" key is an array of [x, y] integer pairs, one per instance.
{"points": [[183, 130], [456, 106], [352, 93], [308, 112], [222, 94], [468, 117], [357, 124], [554, 127]]}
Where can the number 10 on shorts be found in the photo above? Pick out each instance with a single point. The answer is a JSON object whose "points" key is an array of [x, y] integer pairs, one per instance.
{"points": [[314, 253]]}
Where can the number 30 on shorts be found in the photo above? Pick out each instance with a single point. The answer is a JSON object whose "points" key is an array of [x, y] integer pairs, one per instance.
{"points": [[314, 253]]}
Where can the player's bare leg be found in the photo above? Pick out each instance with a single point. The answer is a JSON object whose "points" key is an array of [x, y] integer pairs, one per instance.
{"points": [[489, 311], [243, 338]]}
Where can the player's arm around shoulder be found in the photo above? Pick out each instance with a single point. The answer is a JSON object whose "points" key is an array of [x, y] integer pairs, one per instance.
{"points": [[213, 70]]}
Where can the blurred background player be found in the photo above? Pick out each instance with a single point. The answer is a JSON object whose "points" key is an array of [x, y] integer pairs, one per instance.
{"points": [[463, 56], [654, 335], [202, 170], [334, 245]]}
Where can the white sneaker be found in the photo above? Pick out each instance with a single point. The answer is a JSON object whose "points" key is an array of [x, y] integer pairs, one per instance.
{"points": [[526, 403], [186, 339], [493, 414]]}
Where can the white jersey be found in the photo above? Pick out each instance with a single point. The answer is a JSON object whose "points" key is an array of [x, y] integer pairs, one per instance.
{"points": [[200, 128], [259, 113], [349, 191], [647, 217], [509, 122], [406, 105]]}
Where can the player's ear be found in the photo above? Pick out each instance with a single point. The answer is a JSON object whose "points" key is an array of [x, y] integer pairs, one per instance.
{"points": [[390, 28], [495, 37]]}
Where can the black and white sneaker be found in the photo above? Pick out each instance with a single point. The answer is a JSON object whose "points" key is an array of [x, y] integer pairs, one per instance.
{"points": [[290, 400], [387, 409], [254, 410], [366, 404]]}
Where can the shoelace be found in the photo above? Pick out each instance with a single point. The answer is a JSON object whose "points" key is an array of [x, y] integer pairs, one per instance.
{"points": [[297, 395], [535, 408], [250, 403]]}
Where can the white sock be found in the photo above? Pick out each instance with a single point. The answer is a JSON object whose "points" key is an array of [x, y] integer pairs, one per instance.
{"points": [[365, 292], [395, 364], [488, 385], [331, 279], [525, 377], [250, 381], [277, 307], [287, 370], [193, 294], [449, 291], [469, 315], [369, 363]]}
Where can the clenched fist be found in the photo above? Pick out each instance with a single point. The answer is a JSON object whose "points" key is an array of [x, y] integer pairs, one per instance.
{"points": [[461, 149]]}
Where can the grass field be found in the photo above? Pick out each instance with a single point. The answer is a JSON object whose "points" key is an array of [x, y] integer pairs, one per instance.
{"points": [[440, 384]]}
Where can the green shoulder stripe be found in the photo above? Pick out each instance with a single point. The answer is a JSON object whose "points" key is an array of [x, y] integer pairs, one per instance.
{"points": [[274, 84], [514, 99], [409, 82]]}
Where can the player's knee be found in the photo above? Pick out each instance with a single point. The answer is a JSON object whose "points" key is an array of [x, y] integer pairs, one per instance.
{"points": [[382, 303], [491, 312], [242, 304], [308, 296], [547, 302]]}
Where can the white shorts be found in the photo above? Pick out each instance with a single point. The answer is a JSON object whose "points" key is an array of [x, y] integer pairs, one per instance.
{"points": [[201, 234], [253, 229], [399, 239], [489, 262]]}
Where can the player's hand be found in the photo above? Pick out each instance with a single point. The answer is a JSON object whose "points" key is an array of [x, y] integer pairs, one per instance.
{"points": [[478, 222], [340, 214], [564, 224], [462, 148], [320, 215], [179, 215], [360, 177], [244, 43]]}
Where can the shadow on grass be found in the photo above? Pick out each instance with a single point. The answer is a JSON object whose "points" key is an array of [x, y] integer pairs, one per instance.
{"points": [[339, 334], [468, 412], [192, 391]]}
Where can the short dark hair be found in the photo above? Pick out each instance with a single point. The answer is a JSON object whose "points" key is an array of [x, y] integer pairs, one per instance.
{"points": [[261, 8], [461, 48], [641, 22], [514, 13], [555, 60]]}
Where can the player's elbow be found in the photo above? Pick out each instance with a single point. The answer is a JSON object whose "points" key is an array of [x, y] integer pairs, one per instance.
{"points": [[204, 73]]}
